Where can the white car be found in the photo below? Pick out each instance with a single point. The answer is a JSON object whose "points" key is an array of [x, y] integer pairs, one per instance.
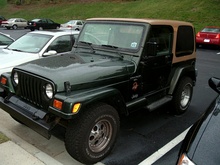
{"points": [[35, 45], [73, 25], [15, 23], [5, 40]]}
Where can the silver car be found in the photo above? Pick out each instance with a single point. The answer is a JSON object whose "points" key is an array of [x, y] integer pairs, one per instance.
{"points": [[15, 23], [73, 25]]}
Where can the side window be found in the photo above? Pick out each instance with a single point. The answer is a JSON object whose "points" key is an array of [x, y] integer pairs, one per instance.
{"points": [[44, 21], [79, 23], [162, 36], [49, 21], [185, 41], [5, 41], [61, 44]]}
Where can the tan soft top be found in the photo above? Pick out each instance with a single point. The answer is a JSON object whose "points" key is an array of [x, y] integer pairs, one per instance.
{"points": [[144, 20]]}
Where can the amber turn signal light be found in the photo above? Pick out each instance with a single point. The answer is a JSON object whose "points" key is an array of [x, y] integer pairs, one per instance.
{"points": [[76, 108], [57, 104], [3, 80]]}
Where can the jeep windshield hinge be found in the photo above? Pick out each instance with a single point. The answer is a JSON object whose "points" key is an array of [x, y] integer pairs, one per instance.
{"points": [[67, 87]]}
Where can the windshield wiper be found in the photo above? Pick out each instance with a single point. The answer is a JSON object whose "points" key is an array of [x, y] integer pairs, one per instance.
{"points": [[17, 50], [115, 48], [88, 43], [110, 46]]}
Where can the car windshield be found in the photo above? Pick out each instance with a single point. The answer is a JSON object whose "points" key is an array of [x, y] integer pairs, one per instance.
{"points": [[31, 43], [112, 35], [36, 20], [71, 22], [11, 19], [211, 30]]}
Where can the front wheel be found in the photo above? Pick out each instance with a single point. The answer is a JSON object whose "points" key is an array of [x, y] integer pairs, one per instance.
{"points": [[183, 95], [91, 136], [14, 27]]}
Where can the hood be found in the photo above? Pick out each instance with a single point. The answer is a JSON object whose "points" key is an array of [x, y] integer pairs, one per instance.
{"points": [[81, 70], [10, 59]]}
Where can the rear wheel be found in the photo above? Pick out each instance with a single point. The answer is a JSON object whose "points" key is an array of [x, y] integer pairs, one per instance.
{"points": [[40, 28], [183, 95], [91, 136]]}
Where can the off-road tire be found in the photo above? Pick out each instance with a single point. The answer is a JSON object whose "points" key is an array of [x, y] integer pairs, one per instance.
{"points": [[91, 136], [182, 95]]}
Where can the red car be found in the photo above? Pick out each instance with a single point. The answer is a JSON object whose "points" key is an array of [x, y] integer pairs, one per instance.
{"points": [[210, 35], [2, 19]]}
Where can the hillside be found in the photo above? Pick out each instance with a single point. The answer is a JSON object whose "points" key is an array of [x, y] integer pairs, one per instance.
{"points": [[199, 12]]}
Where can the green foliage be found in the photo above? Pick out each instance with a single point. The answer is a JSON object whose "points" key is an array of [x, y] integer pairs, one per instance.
{"points": [[199, 12], [3, 3]]}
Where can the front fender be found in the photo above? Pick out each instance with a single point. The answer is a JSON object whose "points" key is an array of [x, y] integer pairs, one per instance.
{"points": [[8, 87], [86, 97]]}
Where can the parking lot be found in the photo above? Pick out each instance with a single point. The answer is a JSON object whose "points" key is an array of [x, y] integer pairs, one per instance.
{"points": [[142, 134]]}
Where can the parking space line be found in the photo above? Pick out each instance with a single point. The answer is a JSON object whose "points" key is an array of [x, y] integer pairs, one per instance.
{"points": [[162, 151]]}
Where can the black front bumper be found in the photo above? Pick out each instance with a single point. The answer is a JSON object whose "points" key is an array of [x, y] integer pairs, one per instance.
{"points": [[27, 114]]}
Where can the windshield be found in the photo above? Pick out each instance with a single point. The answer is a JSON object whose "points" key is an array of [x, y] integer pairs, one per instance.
{"points": [[113, 35], [31, 43], [71, 22]]}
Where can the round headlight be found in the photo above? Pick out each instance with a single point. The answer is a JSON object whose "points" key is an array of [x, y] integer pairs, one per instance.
{"points": [[15, 78], [49, 91]]}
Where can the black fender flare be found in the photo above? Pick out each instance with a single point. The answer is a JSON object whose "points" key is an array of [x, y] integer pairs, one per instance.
{"points": [[189, 71]]}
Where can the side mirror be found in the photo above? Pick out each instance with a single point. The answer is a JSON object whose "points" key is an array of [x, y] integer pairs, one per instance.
{"points": [[214, 83], [151, 49], [49, 53]]}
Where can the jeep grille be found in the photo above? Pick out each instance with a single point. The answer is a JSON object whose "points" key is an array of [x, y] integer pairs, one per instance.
{"points": [[32, 89]]}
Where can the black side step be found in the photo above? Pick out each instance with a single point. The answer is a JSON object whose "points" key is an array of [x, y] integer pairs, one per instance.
{"points": [[158, 103]]}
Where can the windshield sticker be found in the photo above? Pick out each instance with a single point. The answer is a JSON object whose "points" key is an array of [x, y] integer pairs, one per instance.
{"points": [[134, 44]]}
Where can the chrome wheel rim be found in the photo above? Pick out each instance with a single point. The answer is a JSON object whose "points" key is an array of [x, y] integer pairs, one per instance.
{"points": [[185, 96], [100, 135]]}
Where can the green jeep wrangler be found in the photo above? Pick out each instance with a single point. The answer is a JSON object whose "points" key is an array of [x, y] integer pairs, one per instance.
{"points": [[116, 66]]}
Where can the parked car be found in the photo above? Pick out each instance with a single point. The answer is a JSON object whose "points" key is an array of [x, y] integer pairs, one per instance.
{"points": [[5, 40], [209, 36], [117, 66], [35, 45], [2, 19], [201, 144], [15, 23], [73, 25], [42, 23]]}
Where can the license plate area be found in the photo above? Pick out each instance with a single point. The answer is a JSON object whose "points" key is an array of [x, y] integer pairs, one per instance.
{"points": [[206, 40]]}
